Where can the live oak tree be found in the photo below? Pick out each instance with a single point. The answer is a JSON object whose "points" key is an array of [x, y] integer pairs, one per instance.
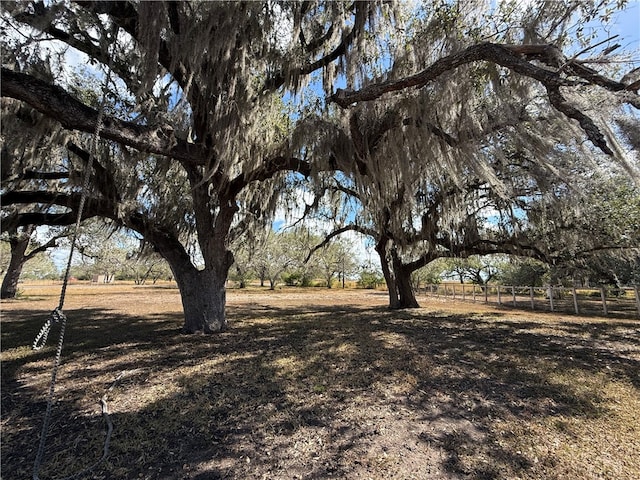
{"points": [[609, 268], [595, 232], [428, 275], [194, 151], [335, 259], [280, 255], [144, 265], [452, 166], [426, 220], [242, 271], [197, 146], [113, 253], [435, 206]]}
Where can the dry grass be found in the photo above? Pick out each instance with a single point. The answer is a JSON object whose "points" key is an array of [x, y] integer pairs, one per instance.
{"points": [[322, 384]]}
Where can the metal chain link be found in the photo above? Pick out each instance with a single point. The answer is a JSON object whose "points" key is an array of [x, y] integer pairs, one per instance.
{"points": [[56, 316], [52, 386]]}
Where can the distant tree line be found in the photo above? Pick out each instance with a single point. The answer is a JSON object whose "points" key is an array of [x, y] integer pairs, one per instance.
{"points": [[294, 257], [606, 269]]}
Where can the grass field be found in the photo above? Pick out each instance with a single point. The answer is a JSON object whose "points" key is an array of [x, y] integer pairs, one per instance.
{"points": [[319, 384]]}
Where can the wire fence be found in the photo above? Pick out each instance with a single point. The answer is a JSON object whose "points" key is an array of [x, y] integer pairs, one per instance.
{"points": [[621, 302]]}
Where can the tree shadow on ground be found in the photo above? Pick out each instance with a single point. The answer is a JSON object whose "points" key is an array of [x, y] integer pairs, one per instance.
{"points": [[303, 392]]}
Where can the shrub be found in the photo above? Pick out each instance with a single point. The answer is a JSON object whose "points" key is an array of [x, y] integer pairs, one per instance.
{"points": [[370, 280], [292, 279]]}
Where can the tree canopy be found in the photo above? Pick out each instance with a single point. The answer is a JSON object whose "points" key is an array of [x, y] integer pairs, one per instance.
{"points": [[211, 114]]}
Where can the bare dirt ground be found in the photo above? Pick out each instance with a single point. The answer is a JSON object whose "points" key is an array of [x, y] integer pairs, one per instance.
{"points": [[320, 384]]}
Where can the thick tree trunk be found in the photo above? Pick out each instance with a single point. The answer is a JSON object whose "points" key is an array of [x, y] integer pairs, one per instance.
{"points": [[406, 296], [203, 297], [202, 291], [398, 278], [19, 244], [10, 281], [389, 277]]}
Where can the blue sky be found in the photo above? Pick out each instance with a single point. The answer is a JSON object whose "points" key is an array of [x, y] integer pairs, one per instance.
{"points": [[627, 24]]}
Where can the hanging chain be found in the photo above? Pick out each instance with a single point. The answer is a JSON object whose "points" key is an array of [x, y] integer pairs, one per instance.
{"points": [[57, 315]]}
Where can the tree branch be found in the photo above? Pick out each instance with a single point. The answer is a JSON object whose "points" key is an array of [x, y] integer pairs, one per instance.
{"points": [[514, 57], [493, 127], [50, 244], [593, 132], [53, 198], [93, 207], [35, 175], [361, 12], [339, 231], [41, 218], [104, 181], [268, 170], [56, 103], [511, 57], [125, 14], [510, 246]]}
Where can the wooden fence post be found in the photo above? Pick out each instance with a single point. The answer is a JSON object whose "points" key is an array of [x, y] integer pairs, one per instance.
{"points": [[453, 287], [486, 293], [604, 300], [499, 299], [463, 294], [513, 292], [575, 301], [551, 297]]}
